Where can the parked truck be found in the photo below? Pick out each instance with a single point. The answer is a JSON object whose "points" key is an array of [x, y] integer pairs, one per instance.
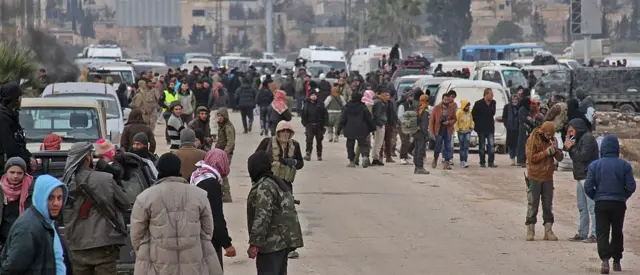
{"points": [[600, 48]]}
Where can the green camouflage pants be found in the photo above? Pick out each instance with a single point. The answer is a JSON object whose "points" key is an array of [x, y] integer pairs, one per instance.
{"points": [[334, 120], [95, 261], [537, 190], [226, 187]]}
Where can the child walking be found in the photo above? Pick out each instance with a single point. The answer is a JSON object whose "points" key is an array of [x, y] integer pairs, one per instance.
{"points": [[464, 126]]}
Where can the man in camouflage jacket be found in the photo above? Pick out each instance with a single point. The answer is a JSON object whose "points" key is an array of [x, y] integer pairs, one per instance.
{"points": [[272, 220], [226, 141]]}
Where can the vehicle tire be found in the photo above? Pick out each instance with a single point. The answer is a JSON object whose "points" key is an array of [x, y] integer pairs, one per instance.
{"points": [[627, 108]]}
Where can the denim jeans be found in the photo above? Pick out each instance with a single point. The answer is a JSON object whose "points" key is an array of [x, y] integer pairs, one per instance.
{"points": [[443, 144], [486, 143], [299, 105], [586, 208], [463, 139]]}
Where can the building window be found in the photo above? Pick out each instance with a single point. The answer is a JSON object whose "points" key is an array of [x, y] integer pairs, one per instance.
{"points": [[197, 13], [501, 7], [507, 3]]}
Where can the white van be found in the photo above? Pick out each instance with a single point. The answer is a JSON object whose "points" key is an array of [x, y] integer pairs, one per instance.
{"points": [[329, 56], [473, 90], [366, 59], [508, 77], [101, 51], [230, 60]]}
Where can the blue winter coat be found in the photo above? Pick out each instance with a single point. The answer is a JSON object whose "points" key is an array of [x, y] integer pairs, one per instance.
{"points": [[610, 178]]}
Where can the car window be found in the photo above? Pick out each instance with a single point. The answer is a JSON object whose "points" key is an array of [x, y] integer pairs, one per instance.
{"points": [[113, 109], [493, 76], [73, 124]]}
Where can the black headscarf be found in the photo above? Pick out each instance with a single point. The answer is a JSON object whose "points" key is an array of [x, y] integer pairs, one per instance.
{"points": [[259, 166], [9, 92], [573, 109]]}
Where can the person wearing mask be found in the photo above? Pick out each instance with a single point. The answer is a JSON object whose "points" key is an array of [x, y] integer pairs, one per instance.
{"points": [[147, 99], [314, 119], [344, 89], [209, 175], [542, 149], [109, 160], [583, 150], [511, 124], [357, 123], [134, 125], [441, 123], [226, 142], [420, 137], [525, 127], [34, 244], [588, 108], [408, 117], [484, 111], [188, 153], [51, 142], [140, 146], [272, 220], [175, 125], [201, 122], [610, 183], [163, 243], [264, 99], [93, 240], [245, 101], [334, 105], [278, 111], [15, 193], [188, 102], [12, 142], [380, 119], [324, 88], [368, 100], [464, 126]]}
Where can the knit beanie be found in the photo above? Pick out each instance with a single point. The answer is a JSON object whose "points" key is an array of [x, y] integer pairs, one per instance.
{"points": [[187, 137], [142, 138], [104, 148], [15, 161], [168, 166]]}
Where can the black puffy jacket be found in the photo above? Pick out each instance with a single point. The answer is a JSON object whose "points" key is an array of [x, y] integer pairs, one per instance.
{"points": [[12, 138], [245, 96], [584, 151]]}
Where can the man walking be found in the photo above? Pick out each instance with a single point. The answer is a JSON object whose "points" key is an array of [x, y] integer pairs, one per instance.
{"points": [[380, 119], [610, 183], [583, 149], [483, 112], [314, 119]]}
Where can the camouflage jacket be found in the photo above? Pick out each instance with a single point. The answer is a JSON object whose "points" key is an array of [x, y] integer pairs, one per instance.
{"points": [[272, 218]]}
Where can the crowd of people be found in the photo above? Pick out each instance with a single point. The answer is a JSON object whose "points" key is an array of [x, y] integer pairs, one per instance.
{"points": [[193, 178]]}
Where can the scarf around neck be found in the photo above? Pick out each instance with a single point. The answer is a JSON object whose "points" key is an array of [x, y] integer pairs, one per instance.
{"points": [[18, 191]]}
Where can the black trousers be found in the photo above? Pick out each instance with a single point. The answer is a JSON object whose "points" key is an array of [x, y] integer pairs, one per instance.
{"points": [[274, 263], [610, 217], [246, 112], [362, 144], [420, 145], [314, 130]]}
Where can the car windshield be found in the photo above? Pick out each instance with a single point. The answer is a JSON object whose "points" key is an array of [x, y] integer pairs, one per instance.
{"points": [[113, 110], [116, 77], [128, 77], [72, 124], [315, 71], [336, 65], [517, 78]]}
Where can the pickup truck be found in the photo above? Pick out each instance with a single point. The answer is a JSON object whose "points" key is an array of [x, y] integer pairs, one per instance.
{"points": [[139, 175]]}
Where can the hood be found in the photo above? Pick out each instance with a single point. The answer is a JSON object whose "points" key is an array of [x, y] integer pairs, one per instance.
{"points": [[43, 187], [259, 165], [464, 103], [285, 125], [610, 147], [580, 126], [224, 112], [135, 116]]}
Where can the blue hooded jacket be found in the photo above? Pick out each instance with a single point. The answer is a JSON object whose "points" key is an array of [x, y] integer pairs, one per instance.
{"points": [[43, 188], [610, 178]]}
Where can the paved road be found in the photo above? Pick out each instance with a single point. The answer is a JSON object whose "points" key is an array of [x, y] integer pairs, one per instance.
{"points": [[385, 220]]}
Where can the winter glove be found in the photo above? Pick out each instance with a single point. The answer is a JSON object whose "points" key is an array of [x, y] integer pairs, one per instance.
{"points": [[289, 161]]}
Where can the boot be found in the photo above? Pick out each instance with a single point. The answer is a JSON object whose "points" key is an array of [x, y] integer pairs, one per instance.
{"points": [[531, 232], [377, 162], [604, 268], [366, 163], [420, 171], [434, 163], [307, 157], [548, 233], [617, 267], [250, 126], [319, 157], [447, 166], [351, 164], [226, 190]]}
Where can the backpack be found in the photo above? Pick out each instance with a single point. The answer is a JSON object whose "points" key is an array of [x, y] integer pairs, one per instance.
{"points": [[409, 122]]}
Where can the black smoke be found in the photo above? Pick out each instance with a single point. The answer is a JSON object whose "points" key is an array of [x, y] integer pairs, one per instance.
{"points": [[52, 56]]}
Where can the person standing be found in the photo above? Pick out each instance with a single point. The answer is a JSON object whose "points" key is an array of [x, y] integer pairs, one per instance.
{"points": [[420, 138], [93, 239], [441, 124], [542, 149], [219, 99], [324, 88], [13, 143], [188, 101], [226, 142], [334, 104], [511, 124], [175, 125], [134, 125], [525, 127], [278, 111], [610, 183], [300, 84], [484, 111], [263, 100], [357, 123], [314, 119], [464, 127], [165, 237], [188, 153], [201, 123], [34, 245], [209, 175], [273, 225], [408, 117], [344, 89], [169, 96], [147, 99], [583, 149], [15, 192], [246, 101], [379, 116]]}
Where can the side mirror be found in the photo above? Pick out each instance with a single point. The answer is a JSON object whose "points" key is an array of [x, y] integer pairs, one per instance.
{"points": [[114, 136]]}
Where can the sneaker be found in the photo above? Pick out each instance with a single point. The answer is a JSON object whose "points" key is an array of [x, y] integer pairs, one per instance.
{"points": [[293, 255], [576, 238], [307, 157], [403, 161], [376, 162], [464, 164], [590, 239], [451, 162], [351, 164], [319, 158], [366, 163], [513, 162]]}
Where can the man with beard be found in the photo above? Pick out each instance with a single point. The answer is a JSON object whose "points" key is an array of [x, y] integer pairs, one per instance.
{"points": [[201, 122], [343, 88], [134, 125], [140, 147], [314, 119], [12, 139]]}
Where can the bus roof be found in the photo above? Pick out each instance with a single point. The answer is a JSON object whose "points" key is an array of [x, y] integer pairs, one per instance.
{"points": [[473, 47]]}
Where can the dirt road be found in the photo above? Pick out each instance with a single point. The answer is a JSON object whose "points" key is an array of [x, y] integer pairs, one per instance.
{"points": [[385, 220]]}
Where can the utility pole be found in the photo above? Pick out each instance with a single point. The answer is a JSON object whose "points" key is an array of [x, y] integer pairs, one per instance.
{"points": [[218, 29], [269, 23]]}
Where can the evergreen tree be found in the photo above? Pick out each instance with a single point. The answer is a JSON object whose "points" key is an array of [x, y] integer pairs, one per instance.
{"points": [[506, 31], [450, 21]]}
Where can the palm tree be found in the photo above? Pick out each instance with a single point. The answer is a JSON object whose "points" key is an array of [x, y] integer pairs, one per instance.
{"points": [[395, 21], [17, 64]]}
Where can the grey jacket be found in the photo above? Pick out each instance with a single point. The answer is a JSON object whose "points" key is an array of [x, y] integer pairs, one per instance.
{"points": [[379, 113], [94, 230]]}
